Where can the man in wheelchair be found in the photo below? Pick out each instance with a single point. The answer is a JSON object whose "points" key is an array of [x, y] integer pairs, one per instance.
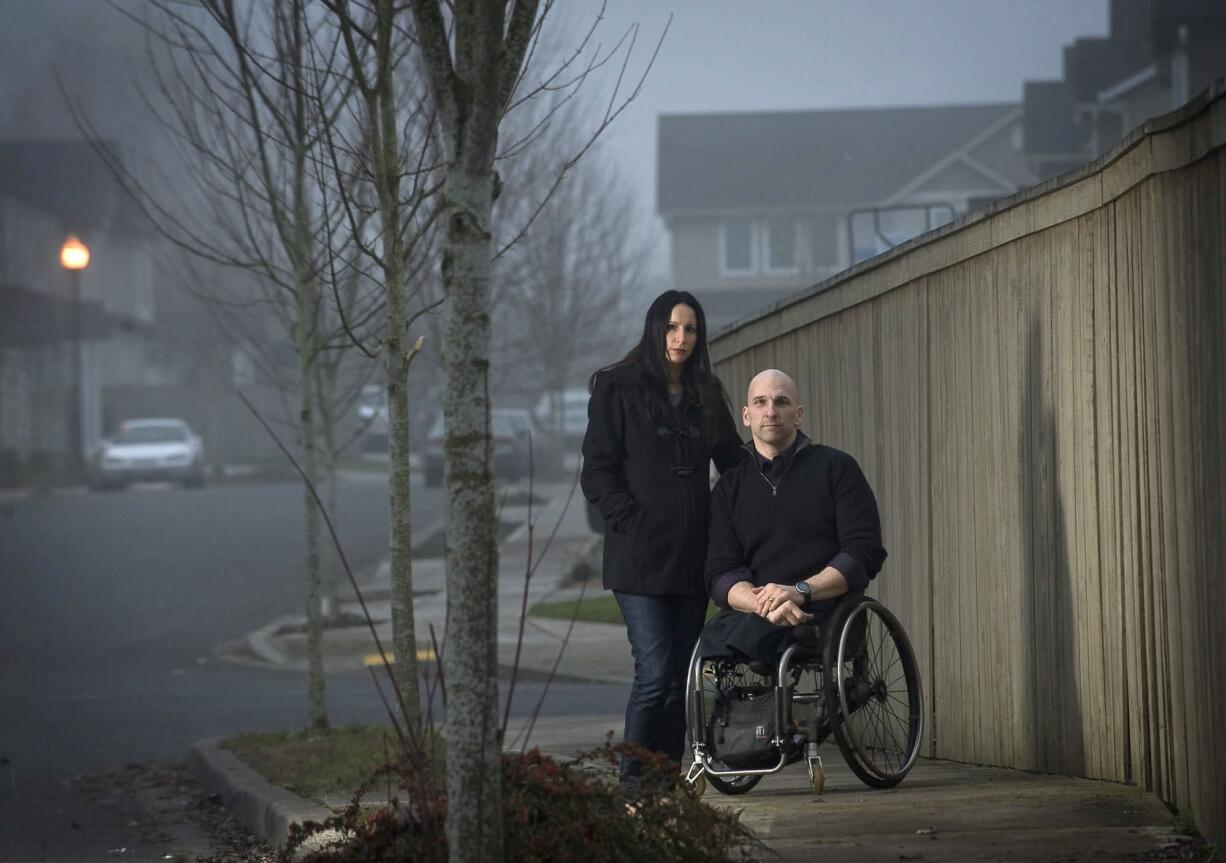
{"points": [[797, 651], [793, 528]]}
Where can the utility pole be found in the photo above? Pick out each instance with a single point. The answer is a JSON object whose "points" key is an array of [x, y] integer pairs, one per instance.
{"points": [[74, 257]]}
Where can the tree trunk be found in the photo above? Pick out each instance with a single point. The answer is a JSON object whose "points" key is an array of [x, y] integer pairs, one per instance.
{"points": [[326, 375], [473, 746], [304, 335], [470, 96], [400, 543], [385, 152]]}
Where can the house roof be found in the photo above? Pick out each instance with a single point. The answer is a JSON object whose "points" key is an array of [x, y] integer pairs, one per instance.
{"points": [[812, 158], [69, 181]]}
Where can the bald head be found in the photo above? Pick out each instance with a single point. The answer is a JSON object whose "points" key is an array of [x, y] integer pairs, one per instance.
{"points": [[772, 411], [772, 379]]}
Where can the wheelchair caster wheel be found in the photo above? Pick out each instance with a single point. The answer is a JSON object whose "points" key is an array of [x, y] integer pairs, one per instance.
{"points": [[817, 776], [699, 785], [696, 778]]}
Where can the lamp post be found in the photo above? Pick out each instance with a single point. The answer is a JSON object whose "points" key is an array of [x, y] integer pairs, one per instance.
{"points": [[74, 257]]}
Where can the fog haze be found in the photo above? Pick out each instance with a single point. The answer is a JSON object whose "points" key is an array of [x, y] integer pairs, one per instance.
{"points": [[717, 56]]}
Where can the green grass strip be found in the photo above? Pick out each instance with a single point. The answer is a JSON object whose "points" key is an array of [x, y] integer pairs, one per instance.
{"points": [[601, 608], [597, 608], [315, 765]]}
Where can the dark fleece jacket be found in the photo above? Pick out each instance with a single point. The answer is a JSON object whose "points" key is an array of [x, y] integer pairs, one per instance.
{"points": [[821, 513]]}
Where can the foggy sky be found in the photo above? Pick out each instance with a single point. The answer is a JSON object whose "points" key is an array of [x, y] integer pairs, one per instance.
{"points": [[719, 55]]}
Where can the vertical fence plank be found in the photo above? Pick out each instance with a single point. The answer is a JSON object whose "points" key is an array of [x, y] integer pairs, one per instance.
{"points": [[1087, 566], [902, 488]]}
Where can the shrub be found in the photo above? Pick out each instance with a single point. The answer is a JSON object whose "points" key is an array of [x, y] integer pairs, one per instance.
{"points": [[552, 812]]}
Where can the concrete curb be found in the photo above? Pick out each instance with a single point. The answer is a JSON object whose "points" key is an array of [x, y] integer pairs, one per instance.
{"points": [[265, 809], [261, 641], [269, 811]]}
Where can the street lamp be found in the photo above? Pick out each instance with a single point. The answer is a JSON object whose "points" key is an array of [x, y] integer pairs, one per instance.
{"points": [[74, 257]]}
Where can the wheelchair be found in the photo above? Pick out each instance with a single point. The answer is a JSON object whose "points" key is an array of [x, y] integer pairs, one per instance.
{"points": [[856, 678]]}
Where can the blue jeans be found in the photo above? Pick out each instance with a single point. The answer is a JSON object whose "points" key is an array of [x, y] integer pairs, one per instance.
{"points": [[662, 631]]}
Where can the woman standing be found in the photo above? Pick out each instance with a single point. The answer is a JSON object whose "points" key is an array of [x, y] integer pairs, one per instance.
{"points": [[656, 420]]}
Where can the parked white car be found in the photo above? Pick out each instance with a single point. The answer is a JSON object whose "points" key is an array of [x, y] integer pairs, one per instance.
{"points": [[150, 449]]}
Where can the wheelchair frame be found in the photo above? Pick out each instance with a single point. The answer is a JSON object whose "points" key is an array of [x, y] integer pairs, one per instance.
{"points": [[836, 697]]}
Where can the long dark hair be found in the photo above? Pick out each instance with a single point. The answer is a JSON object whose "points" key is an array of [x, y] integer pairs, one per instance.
{"points": [[697, 379]]}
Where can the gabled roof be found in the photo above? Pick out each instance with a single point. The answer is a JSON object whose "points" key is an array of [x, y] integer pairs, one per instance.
{"points": [[69, 181], [804, 159]]}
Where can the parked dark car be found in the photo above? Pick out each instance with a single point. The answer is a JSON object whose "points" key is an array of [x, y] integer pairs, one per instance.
{"points": [[510, 428]]}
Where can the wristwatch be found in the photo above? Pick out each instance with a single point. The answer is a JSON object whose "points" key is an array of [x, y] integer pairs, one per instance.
{"points": [[803, 588]]}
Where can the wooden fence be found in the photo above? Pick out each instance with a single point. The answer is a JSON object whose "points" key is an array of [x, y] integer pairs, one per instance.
{"points": [[1038, 395]]}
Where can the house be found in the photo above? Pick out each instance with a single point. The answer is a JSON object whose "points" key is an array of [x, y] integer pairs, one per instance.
{"points": [[1157, 55], [48, 191], [759, 205]]}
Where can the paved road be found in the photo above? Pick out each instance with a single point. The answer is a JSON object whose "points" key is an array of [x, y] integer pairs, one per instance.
{"points": [[113, 605], [154, 577]]}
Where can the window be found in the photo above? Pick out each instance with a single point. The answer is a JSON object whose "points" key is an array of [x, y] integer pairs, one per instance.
{"points": [[752, 246], [738, 249], [780, 244]]}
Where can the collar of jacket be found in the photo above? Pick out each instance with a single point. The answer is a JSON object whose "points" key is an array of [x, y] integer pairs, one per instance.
{"points": [[632, 374], [802, 441]]}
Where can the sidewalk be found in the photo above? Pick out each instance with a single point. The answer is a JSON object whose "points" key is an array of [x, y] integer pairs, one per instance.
{"points": [[943, 811]]}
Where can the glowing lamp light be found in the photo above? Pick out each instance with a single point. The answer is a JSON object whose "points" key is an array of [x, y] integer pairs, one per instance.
{"points": [[74, 255]]}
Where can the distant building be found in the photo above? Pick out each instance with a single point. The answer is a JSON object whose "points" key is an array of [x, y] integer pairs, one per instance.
{"points": [[48, 190], [760, 205], [1157, 55]]}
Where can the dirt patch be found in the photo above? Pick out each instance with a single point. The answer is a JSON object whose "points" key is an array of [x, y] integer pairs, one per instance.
{"points": [[154, 811]]}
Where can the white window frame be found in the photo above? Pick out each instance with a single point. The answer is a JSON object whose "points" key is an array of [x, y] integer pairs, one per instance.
{"points": [[754, 243], [768, 265]]}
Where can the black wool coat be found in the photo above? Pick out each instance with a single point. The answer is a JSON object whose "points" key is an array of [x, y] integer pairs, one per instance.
{"points": [[649, 477]]}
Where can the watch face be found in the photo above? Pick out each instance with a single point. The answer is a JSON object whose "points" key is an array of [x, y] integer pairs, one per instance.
{"points": [[802, 587]]}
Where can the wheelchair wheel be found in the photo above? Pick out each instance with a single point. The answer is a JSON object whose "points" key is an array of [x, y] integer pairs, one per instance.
{"points": [[704, 671], [874, 685]]}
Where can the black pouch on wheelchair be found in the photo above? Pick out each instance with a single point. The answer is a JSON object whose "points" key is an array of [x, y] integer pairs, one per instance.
{"points": [[741, 727]]}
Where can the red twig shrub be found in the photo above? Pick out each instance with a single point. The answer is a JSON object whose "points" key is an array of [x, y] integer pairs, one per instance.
{"points": [[553, 812]]}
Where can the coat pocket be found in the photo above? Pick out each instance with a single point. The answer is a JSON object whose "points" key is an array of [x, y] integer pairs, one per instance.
{"points": [[654, 530]]}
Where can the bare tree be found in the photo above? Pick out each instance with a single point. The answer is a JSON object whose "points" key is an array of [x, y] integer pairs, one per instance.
{"points": [[472, 85], [232, 92], [341, 375], [474, 55], [390, 147]]}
